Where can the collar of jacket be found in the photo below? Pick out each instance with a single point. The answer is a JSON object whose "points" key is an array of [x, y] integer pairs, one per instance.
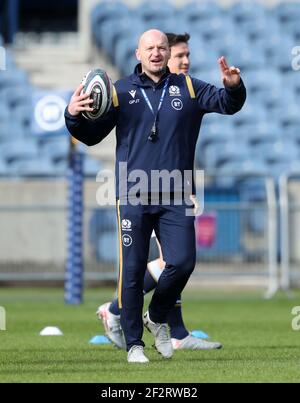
{"points": [[142, 80]]}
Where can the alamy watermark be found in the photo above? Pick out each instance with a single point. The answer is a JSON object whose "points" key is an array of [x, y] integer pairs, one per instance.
{"points": [[155, 187], [2, 58], [296, 320], [296, 58], [2, 318]]}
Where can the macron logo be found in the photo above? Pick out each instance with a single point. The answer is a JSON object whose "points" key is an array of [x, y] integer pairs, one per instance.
{"points": [[132, 93]]}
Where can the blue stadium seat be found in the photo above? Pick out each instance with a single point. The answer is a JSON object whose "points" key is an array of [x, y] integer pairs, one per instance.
{"points": [[291, 82], [155, 10], [17, 96], [292, 28], [103, 233], [294, 168], [23, 113], [264, 87], [13, 78], [269, 101], [11, 131], [125, 50], [102, 220], [232, 152], [230, 43], [9, 60], [245, 131], [266, 132], [4, 113], [287, 11], [290, 114], [259, 28], [61, 168], [276, 98], [4, 130], [253, 190], [206, 156], [247, 58], [196, 12], [280, 56], [262, 79], [19, 150], [283, 168], [130, 66], [164, 24], [247, 11], [108, 10], [259, 132], [283, 41], [107, 15], [216, 154], [35, 167], [108, 247], [114, 32], [91, 167], [99, 31], [291, 132], [211, 76], [203, 58], [249, 114], [56, 149], [179, 25], [244, 169], [211, 29], [4, 169], [280, 152], [216, 132], [234, 173]]}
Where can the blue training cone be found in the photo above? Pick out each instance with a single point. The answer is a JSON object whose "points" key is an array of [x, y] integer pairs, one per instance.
{"points": [[200, 334], [99, 340]]}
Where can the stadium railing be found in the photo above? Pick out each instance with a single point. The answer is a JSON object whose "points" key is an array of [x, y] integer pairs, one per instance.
{"points": [[236, 235]]}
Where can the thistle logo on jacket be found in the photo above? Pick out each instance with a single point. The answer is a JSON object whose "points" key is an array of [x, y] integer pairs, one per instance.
{"points": [[174, 91]]}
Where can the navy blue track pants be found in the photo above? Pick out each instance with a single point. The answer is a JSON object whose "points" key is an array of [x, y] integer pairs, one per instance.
{"points": [[176, 234]]}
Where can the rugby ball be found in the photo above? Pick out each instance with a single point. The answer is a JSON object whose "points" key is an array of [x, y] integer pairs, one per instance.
{"points": [[99, 85]]}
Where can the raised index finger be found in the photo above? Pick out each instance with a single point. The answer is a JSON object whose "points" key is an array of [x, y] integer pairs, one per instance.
{"points": [[223, 63]]}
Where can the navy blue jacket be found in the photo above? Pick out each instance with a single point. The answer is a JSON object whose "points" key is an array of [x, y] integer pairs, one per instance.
{"points": [[186, 101]]}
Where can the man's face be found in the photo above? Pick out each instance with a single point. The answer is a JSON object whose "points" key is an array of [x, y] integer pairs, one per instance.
{"points": [[154, 53], [180, 58]]}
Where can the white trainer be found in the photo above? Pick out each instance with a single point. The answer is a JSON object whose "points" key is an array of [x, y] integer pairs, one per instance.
{"points": [[112, 326], [193, 343], [136, 355], [161, 334]]}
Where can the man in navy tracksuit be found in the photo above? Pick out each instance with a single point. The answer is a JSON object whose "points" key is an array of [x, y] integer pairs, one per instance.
{"points": [[158, 116]]}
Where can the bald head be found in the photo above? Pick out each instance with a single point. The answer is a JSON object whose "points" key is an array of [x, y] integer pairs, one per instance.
{"points": [[154, 53], [153, 35]]}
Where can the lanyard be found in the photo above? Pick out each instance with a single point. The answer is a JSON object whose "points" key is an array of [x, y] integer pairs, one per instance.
{"points": [[161, 99], [153, 134]]}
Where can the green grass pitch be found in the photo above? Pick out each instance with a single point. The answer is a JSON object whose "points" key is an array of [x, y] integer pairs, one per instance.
{"points": [[259, 343]]}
